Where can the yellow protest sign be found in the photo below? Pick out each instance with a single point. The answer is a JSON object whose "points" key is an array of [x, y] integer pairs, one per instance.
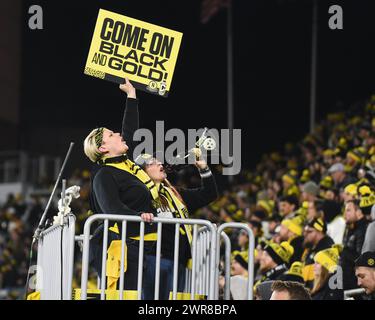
{"points": [[125, 47]]}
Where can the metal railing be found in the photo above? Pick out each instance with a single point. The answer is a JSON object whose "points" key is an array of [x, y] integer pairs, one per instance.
{"points": [[206, 242], [54, 276], [353, 293], [250, 280], [55, 261]]}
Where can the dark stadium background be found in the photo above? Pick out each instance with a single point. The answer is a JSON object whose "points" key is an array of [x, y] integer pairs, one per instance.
{"points": [[58, 103]]}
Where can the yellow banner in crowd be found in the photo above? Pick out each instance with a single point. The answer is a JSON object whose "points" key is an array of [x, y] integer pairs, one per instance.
{"points": [[125, 47]]}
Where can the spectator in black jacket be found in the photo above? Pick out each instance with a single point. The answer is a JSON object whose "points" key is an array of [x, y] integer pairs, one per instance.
{"points": [[356, 225], [117, 187], [315, 240], [173, 203]]}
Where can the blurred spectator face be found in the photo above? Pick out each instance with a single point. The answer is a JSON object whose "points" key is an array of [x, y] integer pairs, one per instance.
{"points": [[237, 269], [307, 196], [223, 214], [346, 196], [317, 270], [366, 279], [285, 208], [311, 211], [266, 262], [284, 233], [286, 184], [259, 255], [329, 195], [311, 237], [243, 238], [272, 226], [328, 160], [338, 176], [351, 213]]}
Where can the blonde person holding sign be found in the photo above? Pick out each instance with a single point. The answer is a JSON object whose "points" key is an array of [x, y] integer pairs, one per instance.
{"points": [[118, 186], [175, 204]]}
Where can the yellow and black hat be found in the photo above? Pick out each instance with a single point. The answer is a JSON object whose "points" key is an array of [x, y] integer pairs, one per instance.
{"points": [[294, 273], [328, 258], [326, 183], [280, 253], [294, 224], [367, 199], [242, 257], [366, 259], [318, 224]]}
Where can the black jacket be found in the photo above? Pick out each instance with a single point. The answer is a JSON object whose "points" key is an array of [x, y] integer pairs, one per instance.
{"points": [[326, 293], [354, 237], [297, 244], [194, 199], [114, 191]]}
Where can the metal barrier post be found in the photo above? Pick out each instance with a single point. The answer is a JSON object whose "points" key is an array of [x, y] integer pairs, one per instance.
{"points": [[123, 244], [228, 251], [112, 217], [157, 267], [175, 259], [250, 252]]}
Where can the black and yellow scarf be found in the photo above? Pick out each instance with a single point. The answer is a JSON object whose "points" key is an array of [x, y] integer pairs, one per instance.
{"points": [[176, 206]]}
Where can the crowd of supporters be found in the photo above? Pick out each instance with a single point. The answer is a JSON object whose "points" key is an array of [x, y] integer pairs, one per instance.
{"points": [[310, 207]]}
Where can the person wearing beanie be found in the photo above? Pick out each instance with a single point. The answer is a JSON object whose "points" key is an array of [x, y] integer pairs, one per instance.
{"points": [[340, 178], [300, 212], [356, 225], [289, 181], [291, 230], [294, 273], [239, 276], [287, 205], [310, 191], [239, 264], [367, 200], [365, 273], [355, 158], [325, 267], [274, 261], [315, 240], [350, 192], [306, 176], [266, 205]]}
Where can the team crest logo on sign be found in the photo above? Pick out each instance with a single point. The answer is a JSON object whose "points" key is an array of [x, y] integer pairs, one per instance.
{"points": [[123, 47]]}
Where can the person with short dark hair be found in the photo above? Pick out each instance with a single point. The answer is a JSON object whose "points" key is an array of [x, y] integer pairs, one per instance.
{"points": [[289, 290], [287, 205], [356, 225]]}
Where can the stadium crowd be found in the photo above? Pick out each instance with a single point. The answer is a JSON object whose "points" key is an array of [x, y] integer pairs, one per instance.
{"points": [[311, 207]]}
